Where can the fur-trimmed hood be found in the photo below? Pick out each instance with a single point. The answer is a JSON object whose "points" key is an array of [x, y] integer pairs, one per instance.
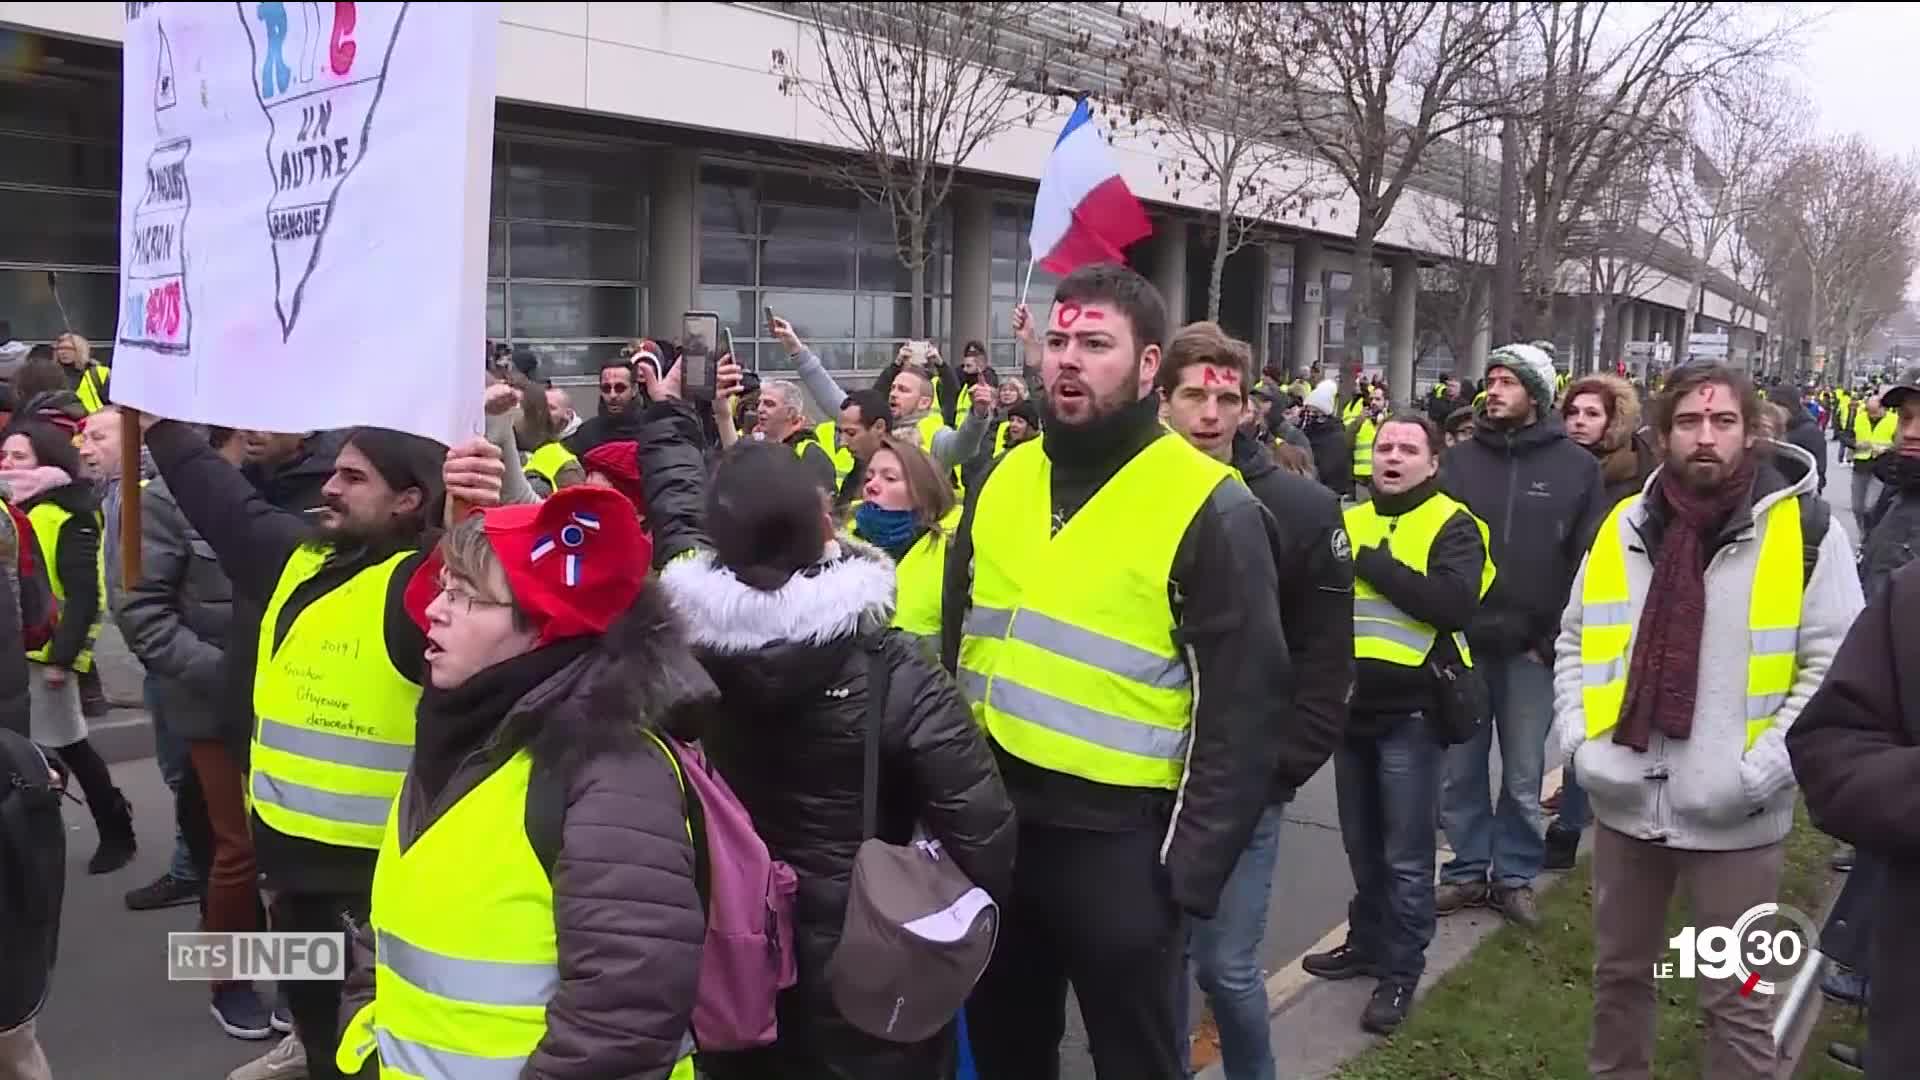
{"points": [[1623, 408], [771, 649]]}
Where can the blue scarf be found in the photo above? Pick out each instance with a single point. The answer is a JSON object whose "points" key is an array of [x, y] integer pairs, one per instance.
{"points": [[892, 531]]}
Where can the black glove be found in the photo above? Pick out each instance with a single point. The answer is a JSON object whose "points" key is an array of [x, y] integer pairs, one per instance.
{"points": [[1367, 562], [1499, 633]]}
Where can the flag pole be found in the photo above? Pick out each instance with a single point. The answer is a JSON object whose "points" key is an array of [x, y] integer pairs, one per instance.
{"points": [[1028, 283]]}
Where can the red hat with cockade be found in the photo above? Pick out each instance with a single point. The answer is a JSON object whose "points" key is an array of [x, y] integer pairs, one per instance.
{"points": [[575, 562]]}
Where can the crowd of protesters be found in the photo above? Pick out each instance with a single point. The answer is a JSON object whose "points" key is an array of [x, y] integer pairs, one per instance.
{"points": [[466, 702]]}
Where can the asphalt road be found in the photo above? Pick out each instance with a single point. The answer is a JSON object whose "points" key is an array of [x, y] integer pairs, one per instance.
{"points": [[113, 1014]]}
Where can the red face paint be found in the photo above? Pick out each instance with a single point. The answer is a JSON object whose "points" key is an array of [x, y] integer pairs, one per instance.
{"points": [[1093, 315], [1067, 314], [1215, 376]]}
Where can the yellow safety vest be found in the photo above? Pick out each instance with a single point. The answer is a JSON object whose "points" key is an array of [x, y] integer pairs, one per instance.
{"points": [[1068, 654], [1353, 410], [48, 522], [547, 462], [1000, 439], [918, 579], [828, 434], [1773, 620], [1870, 440], [1363, 437], [464, 963], [1381, 631], [92, 390], [334, 733], [1478, 398], [925, 430]]}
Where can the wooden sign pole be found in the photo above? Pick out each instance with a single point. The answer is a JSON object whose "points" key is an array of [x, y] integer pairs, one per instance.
{"points": [[130, 495]]}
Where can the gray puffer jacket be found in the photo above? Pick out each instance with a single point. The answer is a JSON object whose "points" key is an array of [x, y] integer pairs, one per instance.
{"points": [[177, 616]]}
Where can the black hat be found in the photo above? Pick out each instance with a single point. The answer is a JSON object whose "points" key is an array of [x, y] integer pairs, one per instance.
{"points": [[1909, 383]]}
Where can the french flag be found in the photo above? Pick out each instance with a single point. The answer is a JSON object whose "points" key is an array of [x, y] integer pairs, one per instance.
{"points": [[1084, 212]]}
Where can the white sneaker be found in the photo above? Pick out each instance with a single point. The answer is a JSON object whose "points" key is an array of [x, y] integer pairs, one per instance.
{"points": [[287, 1061]]}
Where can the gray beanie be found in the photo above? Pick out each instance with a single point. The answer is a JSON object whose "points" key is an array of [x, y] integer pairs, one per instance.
{"points": [[1533, 367]]}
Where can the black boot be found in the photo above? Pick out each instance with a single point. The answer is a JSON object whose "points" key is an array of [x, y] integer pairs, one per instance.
{"points": [[1563, 848], [93, 696], [113, 817]]}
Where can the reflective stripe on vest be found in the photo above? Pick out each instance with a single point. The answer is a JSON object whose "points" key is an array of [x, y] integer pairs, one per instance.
{"points": [[1773, 619], [335, 729], [464, 964], [1363, 437], [49, 524], [1871, 439], [918, 579], [827, 432], [547, 462], [1068, 654], [1381, 631]]}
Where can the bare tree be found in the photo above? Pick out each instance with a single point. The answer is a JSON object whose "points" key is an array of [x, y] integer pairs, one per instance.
{"points": [[1617, 251], [914, 89], [1203, 90], [1851, 213], [1605, 84], [1738, 129], [1371, 87]]}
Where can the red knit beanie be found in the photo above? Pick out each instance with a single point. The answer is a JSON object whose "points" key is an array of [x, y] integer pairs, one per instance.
{"points": [[575, 562]]}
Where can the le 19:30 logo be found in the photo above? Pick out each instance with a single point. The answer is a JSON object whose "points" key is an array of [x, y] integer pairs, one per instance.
{"points": [[1768, 944]]}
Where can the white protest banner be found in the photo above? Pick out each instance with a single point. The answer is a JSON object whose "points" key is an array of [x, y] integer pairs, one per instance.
{"points": [[303, 214]]}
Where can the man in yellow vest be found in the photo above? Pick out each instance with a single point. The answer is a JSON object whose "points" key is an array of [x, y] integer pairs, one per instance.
{"points": [[1702, 621], [1421, 566], [1360, 432], [1203, 383], [783, 419], [339, 667], [1097, 574], [1869, 432]]}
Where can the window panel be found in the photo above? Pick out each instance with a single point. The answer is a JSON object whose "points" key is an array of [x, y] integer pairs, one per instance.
{"points": [[572, 359], [573, 202], [59, 163], [815, 316], [564, 251], [44, 226], [541, 162], [807, 222], [496, 310], [726, 261], [575, 311], [735, 308], [496, 249], [806, 264], [726, 201], [91, 299]]}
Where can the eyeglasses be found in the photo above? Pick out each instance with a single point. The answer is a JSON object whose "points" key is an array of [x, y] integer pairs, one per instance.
{"points": [[465, 602], [616, 388]]}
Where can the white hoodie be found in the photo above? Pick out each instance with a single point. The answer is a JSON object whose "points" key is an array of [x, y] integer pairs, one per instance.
{"points": [[1714, 797]]}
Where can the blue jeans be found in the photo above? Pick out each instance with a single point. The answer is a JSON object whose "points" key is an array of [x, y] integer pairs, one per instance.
{"points": [[175, 766], [1507, 842], [1388, 789], [1575, 812], [1224, 954]]}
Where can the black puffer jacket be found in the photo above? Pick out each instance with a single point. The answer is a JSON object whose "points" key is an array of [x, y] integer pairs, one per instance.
{"points": [[1801, 432], [1893, 527], [792, 667], [1315, 567], [1332, 453], [1542, 497]]}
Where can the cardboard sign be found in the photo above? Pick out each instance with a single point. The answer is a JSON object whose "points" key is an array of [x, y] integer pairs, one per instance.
{"points": [[303, 224]]}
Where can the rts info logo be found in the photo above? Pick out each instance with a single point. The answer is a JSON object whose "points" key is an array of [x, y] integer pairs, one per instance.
{"points": [[1768, 944]]}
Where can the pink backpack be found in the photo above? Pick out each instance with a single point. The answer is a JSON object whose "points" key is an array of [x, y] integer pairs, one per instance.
{"points": [[747, 958]]}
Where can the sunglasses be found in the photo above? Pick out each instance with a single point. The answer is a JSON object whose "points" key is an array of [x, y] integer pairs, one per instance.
{"points": [[616, 388]]}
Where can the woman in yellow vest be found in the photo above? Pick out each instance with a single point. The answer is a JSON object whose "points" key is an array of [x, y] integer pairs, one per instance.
{"points": [[907, 510], [549, 466], [1420, 567], [44, 469], [486, 953]]}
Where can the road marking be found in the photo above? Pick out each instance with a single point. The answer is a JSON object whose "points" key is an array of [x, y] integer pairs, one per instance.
{"points": [[1287, 983]]}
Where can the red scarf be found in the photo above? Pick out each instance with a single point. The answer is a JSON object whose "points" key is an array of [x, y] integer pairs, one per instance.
{"points": [[1664, 677]]}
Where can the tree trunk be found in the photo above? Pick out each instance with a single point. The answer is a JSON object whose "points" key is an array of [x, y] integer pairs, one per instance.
{"points": [[1362, 328], [1696, 300], [1506, 274], [1219, 268], [918, 241]]}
